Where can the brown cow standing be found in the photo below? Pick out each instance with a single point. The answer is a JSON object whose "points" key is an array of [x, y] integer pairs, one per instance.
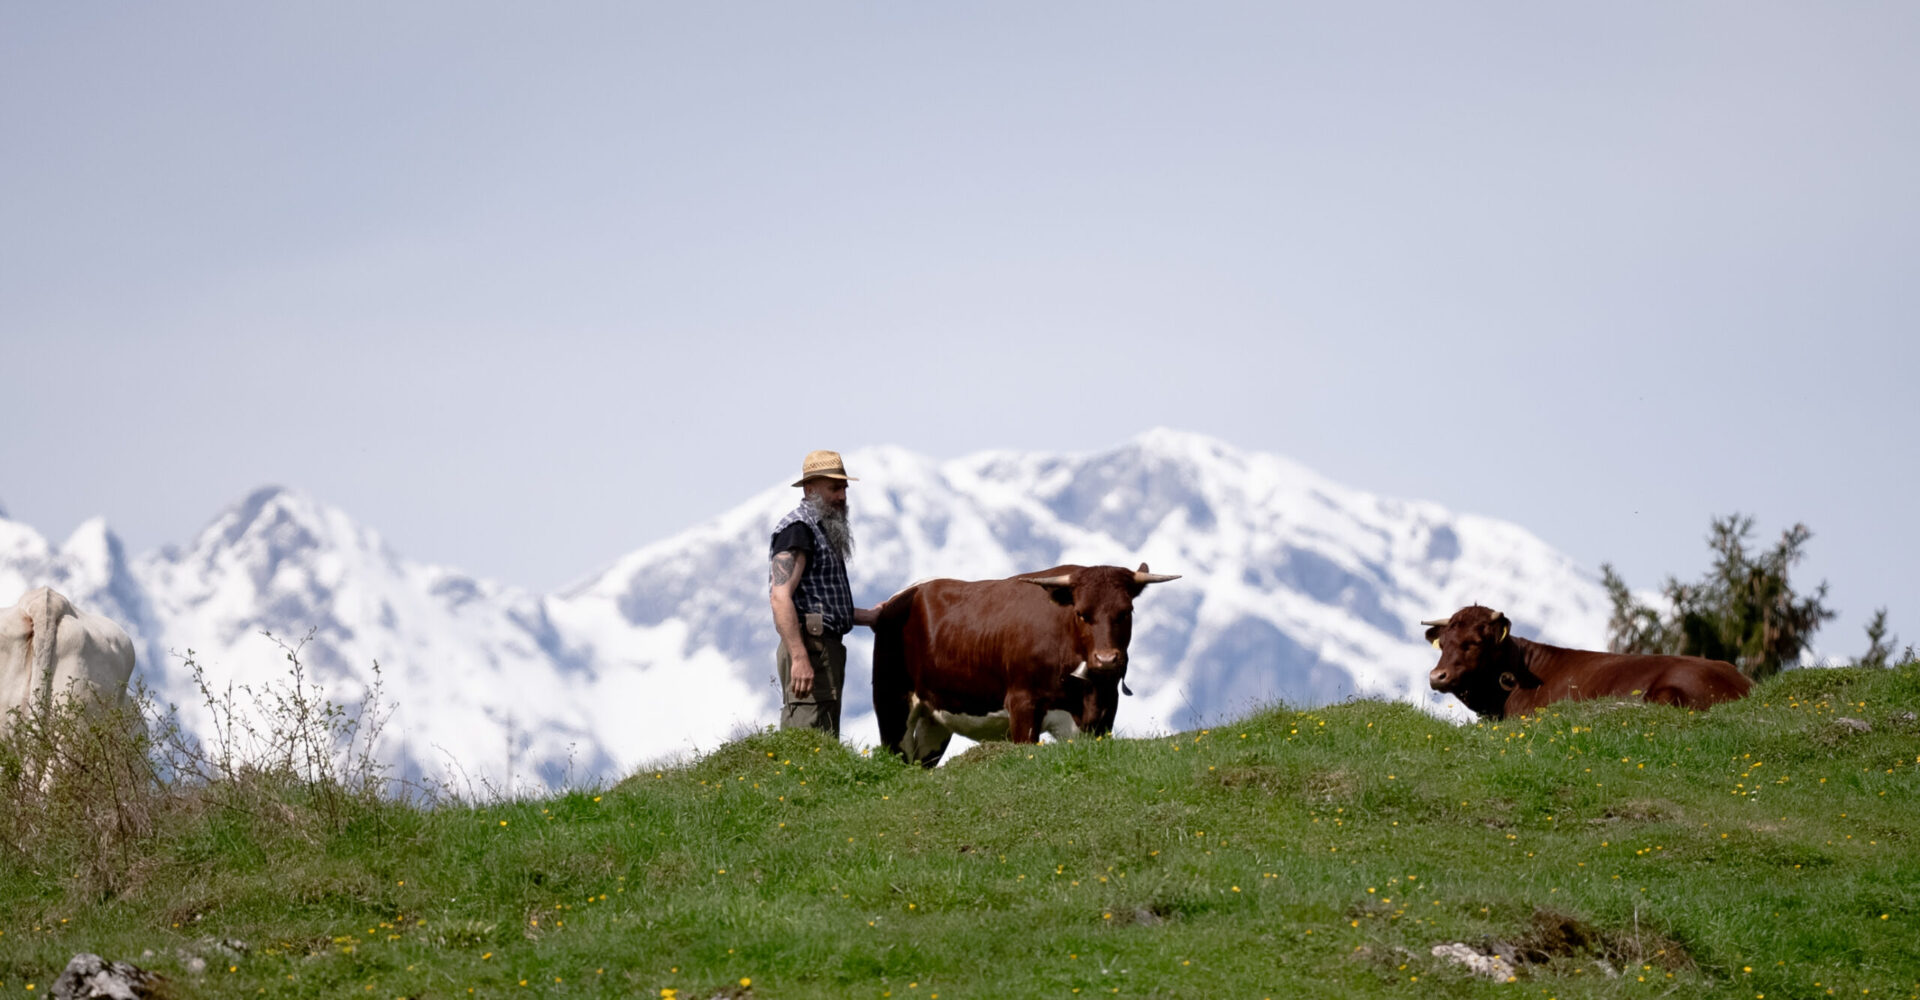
{"points": [[1003, 659], [1498, 674]]}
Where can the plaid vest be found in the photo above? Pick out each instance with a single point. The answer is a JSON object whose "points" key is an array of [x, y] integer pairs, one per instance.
{"points": [[823, 584]]}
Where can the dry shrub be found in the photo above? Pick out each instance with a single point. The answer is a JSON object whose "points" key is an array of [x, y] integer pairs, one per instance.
{"points": [[86, 787], [80, 788], [285, 746]]}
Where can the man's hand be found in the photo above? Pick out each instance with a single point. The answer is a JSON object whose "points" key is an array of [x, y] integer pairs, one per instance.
{"points": [[866, 616], [800, 676]]}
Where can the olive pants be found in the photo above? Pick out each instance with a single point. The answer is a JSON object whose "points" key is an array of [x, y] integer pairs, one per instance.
{"points": [[820, 709]]}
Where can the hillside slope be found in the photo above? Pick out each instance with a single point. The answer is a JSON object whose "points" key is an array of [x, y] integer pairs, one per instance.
{"points": [[1613, 850]]}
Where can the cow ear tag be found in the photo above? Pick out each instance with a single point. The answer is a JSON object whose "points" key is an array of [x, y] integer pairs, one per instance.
{"points": [[1508, 682], [1504, 629], [1436, 643]]}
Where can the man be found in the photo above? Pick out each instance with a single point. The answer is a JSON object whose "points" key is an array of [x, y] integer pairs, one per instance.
{"points": [[812, 602]]}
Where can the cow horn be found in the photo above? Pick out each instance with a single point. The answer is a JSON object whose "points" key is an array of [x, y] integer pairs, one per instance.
{"points": [[1063, 580], [1438, 621], [1144, 577]]}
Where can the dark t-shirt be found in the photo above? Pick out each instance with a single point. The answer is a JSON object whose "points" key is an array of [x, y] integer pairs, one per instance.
{"points": [[794, 536]]}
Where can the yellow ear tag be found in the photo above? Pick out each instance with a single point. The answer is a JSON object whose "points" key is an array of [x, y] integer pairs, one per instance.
{"points": [[1436, 644], [1503, 635]]}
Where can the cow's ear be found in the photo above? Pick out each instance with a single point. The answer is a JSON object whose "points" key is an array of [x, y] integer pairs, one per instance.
{"points": [[1503, 628], [1433, 634]]}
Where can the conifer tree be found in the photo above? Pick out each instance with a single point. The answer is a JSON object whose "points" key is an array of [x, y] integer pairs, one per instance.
{"points": [[1879, 644], [1743, 611]]}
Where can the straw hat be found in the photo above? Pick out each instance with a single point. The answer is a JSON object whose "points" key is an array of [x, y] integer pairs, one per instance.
{"points": [[823, 465]]}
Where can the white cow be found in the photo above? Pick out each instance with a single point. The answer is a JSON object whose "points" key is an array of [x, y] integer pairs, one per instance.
{"points": [[49, 647]]}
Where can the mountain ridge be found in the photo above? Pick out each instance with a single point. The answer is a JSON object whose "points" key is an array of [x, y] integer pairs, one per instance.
{"points": [[1294, 588]]}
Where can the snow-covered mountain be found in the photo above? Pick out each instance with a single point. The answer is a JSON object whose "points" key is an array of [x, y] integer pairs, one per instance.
{"points": [[1293, 588]]}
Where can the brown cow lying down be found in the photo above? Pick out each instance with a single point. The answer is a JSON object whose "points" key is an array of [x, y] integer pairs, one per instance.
{"points": [[1003, 659], [1498, 674]]}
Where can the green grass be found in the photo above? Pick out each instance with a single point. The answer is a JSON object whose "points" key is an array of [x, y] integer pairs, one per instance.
{"points": [[1761, 849]]}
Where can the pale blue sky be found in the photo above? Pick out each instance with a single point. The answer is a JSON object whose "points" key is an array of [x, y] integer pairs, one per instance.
{"points": [[526, 286]]}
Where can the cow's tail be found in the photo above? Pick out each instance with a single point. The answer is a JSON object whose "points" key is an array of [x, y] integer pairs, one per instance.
{"points": [[892, 685]]}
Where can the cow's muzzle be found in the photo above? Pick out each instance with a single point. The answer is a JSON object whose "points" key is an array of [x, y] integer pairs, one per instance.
{"points": [[1440, 679], [1110, 661], [1103, 661]]}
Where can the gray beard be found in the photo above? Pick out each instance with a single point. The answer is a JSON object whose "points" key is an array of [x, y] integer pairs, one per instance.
{"points": [[833, 524]]}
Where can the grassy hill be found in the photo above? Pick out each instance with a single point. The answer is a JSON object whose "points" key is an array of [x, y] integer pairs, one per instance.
{"points": [[1765, 849]]}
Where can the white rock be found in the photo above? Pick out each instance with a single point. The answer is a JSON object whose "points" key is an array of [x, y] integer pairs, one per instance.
{"points": [[1491, 966], [90, 977]]}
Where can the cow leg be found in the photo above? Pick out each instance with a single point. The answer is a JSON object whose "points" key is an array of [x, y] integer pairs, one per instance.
{"points": [[1098, 708], [1023, 718], [893, 697], [895, 717]]}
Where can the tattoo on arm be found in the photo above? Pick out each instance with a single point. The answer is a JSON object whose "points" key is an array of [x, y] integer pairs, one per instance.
{"points": [[782, 568]]}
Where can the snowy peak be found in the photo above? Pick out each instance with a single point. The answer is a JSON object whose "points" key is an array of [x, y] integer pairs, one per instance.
{"points": [[1181, 482], [96, 544], [276, 561], [275, 524], [90, 567], [95, 570], [24, 554]]}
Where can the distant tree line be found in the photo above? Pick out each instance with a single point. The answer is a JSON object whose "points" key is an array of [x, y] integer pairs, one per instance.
{"points": [[1744, 610]]}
